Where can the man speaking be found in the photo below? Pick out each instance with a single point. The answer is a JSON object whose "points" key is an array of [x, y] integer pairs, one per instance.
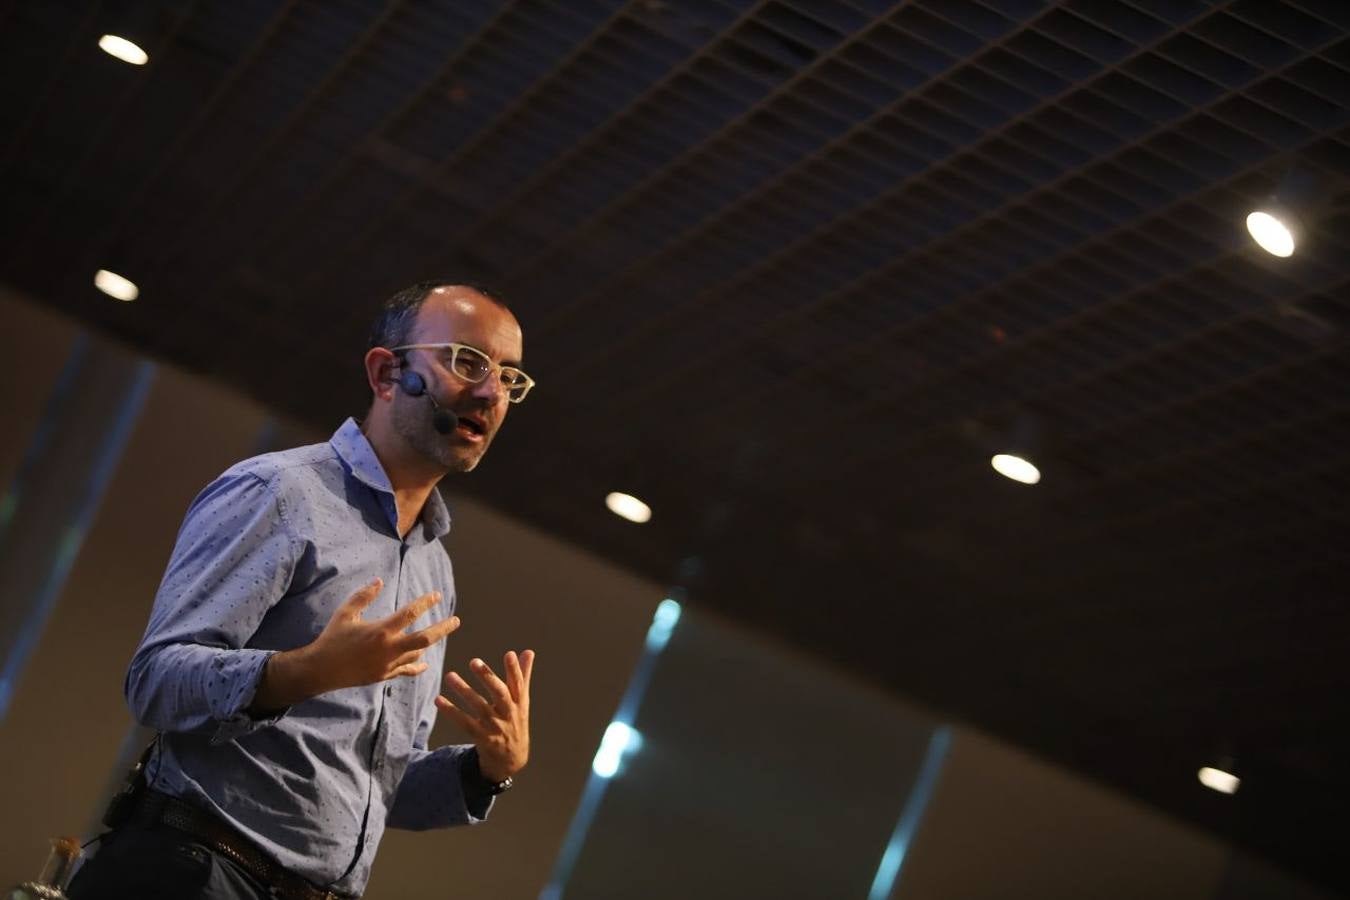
{"points": [[293, 656]]}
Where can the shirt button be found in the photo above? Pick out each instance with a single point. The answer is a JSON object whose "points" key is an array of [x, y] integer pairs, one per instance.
{"points": [[389, 691]]}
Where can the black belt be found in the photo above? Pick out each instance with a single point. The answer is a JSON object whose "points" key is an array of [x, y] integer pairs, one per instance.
{"points": [[156, 808]]}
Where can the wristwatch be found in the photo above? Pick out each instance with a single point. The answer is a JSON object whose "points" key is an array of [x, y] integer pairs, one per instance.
{"points": [[491, 788]]}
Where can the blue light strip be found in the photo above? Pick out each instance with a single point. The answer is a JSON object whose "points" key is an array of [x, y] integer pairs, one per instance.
{"points": [[62, 391], [658, 635], [72, 538], [894, 857]]}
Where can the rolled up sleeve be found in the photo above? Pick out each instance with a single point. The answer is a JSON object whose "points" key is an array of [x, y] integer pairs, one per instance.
{"points": [[233, 561], [431, 793]]}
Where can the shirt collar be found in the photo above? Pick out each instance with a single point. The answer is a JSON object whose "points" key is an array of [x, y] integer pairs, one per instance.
{"points": [[355, 451]]}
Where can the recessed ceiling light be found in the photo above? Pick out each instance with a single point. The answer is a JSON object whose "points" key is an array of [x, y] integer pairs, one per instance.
{"points": [[1016, 468], [1219, 780], [123, 49], [115, 285], [1272, 232], [629, 507]]}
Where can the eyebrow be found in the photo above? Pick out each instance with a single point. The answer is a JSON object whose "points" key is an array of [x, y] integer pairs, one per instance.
{"points": [[513, 363]]}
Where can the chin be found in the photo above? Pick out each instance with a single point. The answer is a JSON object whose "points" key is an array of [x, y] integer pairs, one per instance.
{"points": [[465, 465], [456, 461]]}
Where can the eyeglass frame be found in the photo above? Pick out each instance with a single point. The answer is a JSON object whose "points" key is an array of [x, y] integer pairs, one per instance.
{"points": [[496, 368]]}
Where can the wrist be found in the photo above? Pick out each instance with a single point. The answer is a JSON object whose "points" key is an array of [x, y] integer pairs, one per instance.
{"points": [[489, 778], [289, 677]]}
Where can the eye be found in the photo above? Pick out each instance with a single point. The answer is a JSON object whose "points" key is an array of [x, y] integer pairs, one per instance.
{"points": [[471, 365]]}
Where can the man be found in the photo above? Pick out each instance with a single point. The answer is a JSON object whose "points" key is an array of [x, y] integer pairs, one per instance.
{"points": [[294, 648]]}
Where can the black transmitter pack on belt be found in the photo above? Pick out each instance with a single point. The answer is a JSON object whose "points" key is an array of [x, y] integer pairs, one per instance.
{"points": [[129, 794]]}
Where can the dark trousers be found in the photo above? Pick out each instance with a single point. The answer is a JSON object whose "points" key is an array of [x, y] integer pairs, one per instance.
{"points": [[161, 863]]}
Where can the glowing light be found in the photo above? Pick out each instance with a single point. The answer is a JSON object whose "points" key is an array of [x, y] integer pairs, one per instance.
{"points": [[1219, 780], [116, 286], [1274, 236], [883, 883], [628, 507], [1016, 468], [123, 49], [663, 623], [619, 741]]}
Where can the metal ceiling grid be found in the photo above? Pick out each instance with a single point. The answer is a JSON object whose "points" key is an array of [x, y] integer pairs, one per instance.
{"points": [[465, 206]]}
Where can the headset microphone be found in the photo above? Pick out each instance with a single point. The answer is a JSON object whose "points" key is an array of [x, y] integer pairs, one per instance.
{"points": [[443, 420]]}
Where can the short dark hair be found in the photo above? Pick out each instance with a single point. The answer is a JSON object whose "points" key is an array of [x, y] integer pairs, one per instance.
{"points": [[393, 325]]}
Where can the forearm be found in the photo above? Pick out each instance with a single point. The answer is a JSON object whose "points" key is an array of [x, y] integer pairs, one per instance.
{"points": [[432, 792], [191, 687], [287, 679]]}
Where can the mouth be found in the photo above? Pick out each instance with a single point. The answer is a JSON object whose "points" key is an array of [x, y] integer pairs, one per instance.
{"points": [[471, 428]]}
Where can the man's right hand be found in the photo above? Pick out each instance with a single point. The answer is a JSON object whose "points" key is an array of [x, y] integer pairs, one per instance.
{"points": [[351, 651]]}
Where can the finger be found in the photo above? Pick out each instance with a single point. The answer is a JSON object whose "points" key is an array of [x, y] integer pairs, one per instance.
{"points": [[421, 640], [496, 688], [526, 669], [411, 656], [357, 602], [412, 612], [527, 664], [515, 678], [460, 717], [472, 699], [408, 671]]}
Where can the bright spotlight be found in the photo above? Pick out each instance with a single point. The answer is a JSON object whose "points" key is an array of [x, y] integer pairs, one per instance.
{"points": [[1016, 468], [1219, 780], [1272, 233], [123, 49], [628, 507], [116, 286]]}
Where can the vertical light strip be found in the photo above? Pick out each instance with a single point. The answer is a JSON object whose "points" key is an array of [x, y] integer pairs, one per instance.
{"points": [[91, 494], [62, 391], [658, 635], [894, 857]]}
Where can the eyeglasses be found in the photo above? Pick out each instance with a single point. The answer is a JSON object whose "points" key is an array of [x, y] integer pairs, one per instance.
{"points": [[473, 365]]}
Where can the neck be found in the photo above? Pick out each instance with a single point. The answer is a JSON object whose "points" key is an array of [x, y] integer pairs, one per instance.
{"points": [[411, 475]]}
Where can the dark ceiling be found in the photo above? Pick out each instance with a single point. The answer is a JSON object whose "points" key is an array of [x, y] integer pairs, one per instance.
{"points": [[791, 271]]}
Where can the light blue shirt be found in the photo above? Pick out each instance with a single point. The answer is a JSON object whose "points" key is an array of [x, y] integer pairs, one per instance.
{"points": [[266, 553]]}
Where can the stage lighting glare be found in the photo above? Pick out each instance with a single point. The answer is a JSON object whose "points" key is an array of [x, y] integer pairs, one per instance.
{"points": [[116, 286], [628, 507], [620, 740], [123, 49], [1219, 780], [663, 623], [1273, 235], [1016, 468]]}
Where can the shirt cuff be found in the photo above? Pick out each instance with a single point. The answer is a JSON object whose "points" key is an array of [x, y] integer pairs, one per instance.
{"points": [[477, 790], [431, 793], [241, 672]]}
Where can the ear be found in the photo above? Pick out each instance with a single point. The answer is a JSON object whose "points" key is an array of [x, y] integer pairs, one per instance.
{"points": [[381, 366]]}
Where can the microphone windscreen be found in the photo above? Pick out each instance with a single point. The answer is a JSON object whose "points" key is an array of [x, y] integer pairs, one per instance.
{"points": [[443, 420]]}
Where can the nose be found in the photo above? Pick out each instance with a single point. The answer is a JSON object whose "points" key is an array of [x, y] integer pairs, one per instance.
{"points": [[490, 389]]}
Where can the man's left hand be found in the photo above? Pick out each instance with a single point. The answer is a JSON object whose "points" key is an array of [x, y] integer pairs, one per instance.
{"points": [[498, 719]]}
